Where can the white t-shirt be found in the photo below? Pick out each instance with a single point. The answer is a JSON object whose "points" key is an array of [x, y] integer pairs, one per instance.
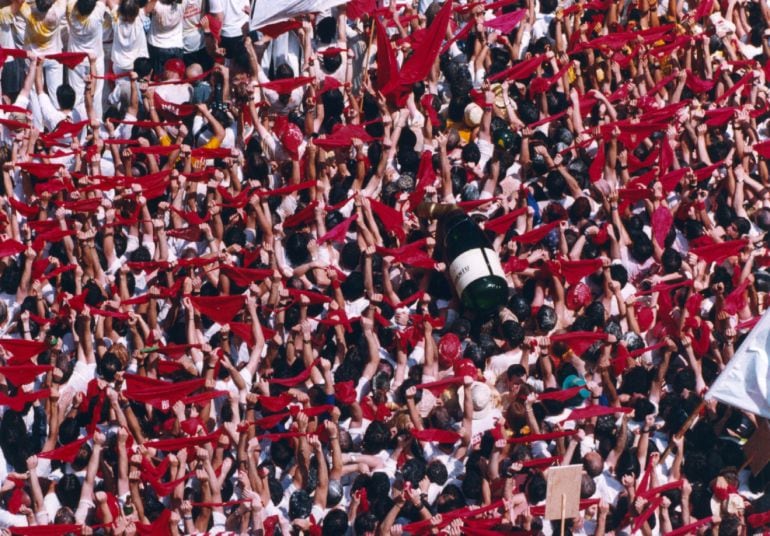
{"points": [[175, 93], [86, 33], [129, 41], [234, 17], [191, 31], [166, 26]]}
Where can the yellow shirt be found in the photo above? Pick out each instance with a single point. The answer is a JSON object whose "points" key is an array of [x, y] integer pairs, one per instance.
{"points": [[43, 28]]}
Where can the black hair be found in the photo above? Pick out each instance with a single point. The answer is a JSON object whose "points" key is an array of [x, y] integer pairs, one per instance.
{"points": [[671, 261], [68, 491], [546, 318], [335, 523], [376, 438], [85, 7], [414, 471], [300, 505], [471, 153], [65, 95], [109, 366], [619, 274], [437, 472]]}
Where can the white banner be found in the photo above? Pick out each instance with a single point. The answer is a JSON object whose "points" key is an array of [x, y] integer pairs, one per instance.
{"points": [[266, 12], [744, 382]]}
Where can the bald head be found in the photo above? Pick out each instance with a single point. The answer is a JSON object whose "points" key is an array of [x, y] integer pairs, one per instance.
{"points": [[593, 464]]}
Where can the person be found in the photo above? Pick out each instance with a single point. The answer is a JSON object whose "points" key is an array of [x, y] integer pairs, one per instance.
{"points": [[85, 22], [223, 309], [43, 36], [165, 40]]}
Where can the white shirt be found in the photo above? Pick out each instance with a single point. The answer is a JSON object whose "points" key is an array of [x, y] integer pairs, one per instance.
{"points": [[175, 93], [129, 41], [166, 26], [191, 32], [86, 33], [234, 17]]}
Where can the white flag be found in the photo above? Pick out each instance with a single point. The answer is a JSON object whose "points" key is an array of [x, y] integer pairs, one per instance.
{"points": [[744, 382], [267, 12]]}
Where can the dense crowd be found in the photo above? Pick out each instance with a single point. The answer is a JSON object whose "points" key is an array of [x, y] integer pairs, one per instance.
{"points": [[220, 312]]}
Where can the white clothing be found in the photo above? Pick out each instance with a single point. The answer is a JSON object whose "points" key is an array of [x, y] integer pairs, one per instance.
{"points": [[166, 26], [191, 31], [129, 41], [234, 17]]}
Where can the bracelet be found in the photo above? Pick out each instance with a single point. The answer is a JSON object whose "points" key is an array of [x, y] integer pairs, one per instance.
{"points": [[623, 167], [187, 518]]}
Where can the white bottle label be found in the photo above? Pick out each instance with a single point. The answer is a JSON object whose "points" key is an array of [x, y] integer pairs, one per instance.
{"points": [[473, 264]]}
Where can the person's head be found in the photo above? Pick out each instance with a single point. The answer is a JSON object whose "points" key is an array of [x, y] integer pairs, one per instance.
{"points": [[174, 69], [85, 7], [300, 505], [641, 249], [450, 498], [546, 318], [109, 366], [414, 471], [44, 5], [437, 472], [762, 219], [142, 65], [65, 95], [284, 71], [593, 464], [556, 185], [335, 523], [68, 491], [326, 29], [376, 438], [128, 10], [513, 333]]}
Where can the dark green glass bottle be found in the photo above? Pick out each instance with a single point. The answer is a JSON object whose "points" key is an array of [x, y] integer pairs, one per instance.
{"points": [[472, 264]]}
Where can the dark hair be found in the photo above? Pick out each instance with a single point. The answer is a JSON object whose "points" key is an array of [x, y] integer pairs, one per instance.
{"points": [[281, 453], [68, 490], [109, 366], [376, 438], [296, 248], [353, 286], [472, 484], [470, 153], [536, 489], [555, 184], [641, 249], [414, 471], [335, 523], [519, 306], [128, 10], [513, 332], [66, 97], [546, 318], [43, 5], [300, 505], [619, 274], [437, 472], [85, 7], [671, 261], [326, 29]]}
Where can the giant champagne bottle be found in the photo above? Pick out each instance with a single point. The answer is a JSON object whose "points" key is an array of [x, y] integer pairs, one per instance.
{"points": [[474, 267]]}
